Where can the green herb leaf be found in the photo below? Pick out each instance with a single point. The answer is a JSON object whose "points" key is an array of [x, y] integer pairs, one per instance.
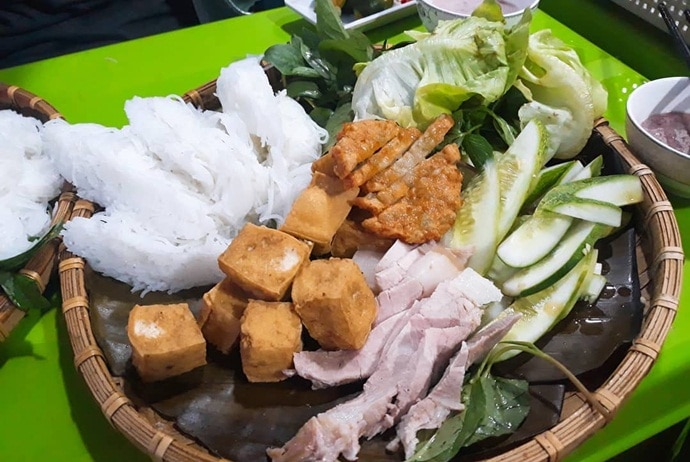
{"points": [[357, 47], [320, 115], [494, 406], [23, 291], [478, 149], [323, 68], [303, 89], [286, 58], [504, 129], [16, 262], [319, 67], [506, 404], [328, 22], [340, 116]]}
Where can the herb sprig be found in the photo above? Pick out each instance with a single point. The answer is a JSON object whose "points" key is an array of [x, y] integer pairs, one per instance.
{"points": [[318, 67], [494, 406], [22, 290]]}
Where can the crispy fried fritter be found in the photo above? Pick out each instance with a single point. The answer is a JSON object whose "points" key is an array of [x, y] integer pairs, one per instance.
{"points": [[429, 206], [421, 148], [384, 158], [324, 164], [358, 141]]}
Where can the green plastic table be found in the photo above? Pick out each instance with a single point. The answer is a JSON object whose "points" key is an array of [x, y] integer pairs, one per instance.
{"points": [[46, 412]]}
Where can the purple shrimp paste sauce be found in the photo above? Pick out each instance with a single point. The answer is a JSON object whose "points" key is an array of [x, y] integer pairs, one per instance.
{"points": [[671, 128]]}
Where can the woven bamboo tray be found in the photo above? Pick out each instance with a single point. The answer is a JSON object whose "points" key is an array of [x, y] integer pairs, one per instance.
{"points": [[42, 264], [660, 260]]}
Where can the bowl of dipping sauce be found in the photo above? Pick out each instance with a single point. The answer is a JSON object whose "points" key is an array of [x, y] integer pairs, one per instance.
{"points": [[657, 126], [433, 11]]}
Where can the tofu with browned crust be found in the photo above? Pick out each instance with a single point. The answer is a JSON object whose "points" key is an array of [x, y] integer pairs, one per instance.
{"points": [[166, 341], [221, 311], [319, 210], [270, 333], [264, 261], [335, 303]]}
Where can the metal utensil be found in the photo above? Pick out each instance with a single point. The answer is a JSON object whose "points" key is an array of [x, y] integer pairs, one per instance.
{"points": [[675, 32]]}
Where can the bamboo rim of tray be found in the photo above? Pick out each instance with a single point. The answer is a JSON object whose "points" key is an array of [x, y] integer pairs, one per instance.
{"points": [[42, 264], [660, 268]]}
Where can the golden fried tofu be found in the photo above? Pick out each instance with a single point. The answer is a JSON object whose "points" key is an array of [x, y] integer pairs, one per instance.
{"points": [[166, 341], [351, 236], [270, 333], [319, 210], [335, 303], [264, 261], [221, 311]]}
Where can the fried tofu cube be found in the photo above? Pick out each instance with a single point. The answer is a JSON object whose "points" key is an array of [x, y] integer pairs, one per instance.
{"points": [[351, 237], [319, 210], [264, 261], [166, 341], [270, 333], [335, 303], [221, 311]]}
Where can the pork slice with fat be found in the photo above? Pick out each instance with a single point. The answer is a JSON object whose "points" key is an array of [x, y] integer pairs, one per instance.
{"points": [[338, 431], [432, 331], [398, 298], [432, 411], [331, 368]]}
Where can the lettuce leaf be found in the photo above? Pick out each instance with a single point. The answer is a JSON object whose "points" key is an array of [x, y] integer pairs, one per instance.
{"points": [[562, 93], [463, 62]]}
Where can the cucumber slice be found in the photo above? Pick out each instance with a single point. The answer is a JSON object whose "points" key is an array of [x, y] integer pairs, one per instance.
{"points": [[616, 189], [518, 170], [593, 287], [499, 271], [576, 243], [534, 239], [542, 310], [595, 211], [573, 172], [547, 179], [476, 223], [590, 170]]}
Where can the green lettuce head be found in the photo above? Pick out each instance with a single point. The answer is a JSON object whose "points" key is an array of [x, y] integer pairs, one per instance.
{"points": [[562, 94], [467, 61]]}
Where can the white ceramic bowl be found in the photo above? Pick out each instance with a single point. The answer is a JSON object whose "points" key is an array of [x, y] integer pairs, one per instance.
{"points": [[671, 166], [430, 14]]}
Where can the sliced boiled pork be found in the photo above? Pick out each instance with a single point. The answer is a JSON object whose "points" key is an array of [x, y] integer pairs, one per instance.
{"points": [[411, 358]]}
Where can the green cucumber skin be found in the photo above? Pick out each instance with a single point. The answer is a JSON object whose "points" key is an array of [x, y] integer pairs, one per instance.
{"points": [[591, 210], [542, 310], [482, 232], [548, 178], [593, 169], [530, 163], [534, 239], [619, 190], [577, 242], [576, 199]]}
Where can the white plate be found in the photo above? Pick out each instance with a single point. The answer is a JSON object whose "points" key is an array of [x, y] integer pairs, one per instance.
{"points": [[397, 11]]}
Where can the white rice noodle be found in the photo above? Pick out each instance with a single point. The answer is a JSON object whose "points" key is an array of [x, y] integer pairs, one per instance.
{"points": [[286, 137], [178, 183], [140, 257], [28, 181]]}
